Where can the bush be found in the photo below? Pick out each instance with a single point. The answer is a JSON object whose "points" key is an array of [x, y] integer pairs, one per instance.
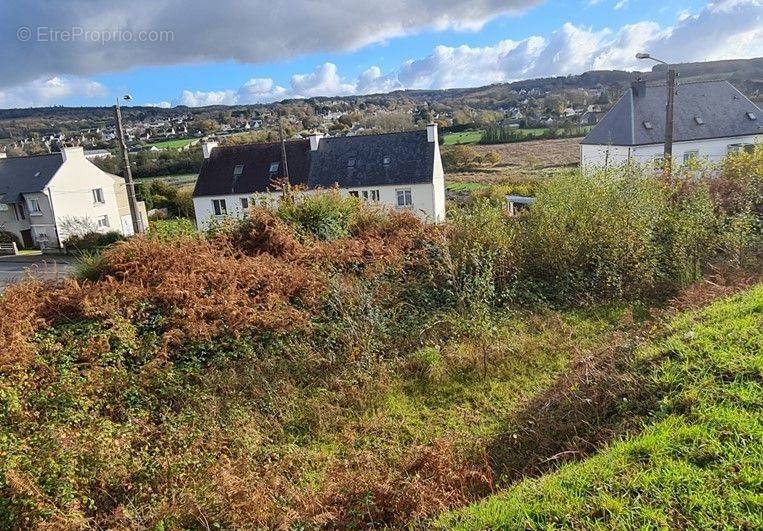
{"points": [[326, 216], [170, 229], [92, 241], [9, 237]]}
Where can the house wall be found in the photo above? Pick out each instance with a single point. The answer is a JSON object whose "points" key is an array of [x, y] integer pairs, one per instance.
{"points": [[712, 150], [428, 201], [72, 197]]}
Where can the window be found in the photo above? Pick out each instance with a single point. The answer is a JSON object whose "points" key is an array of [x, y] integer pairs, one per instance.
{"points": [[34, 207], [387, 160], [404, 199], [20, 212], [648, 125], [372, 195], [699, 121], [354, 193], [739, 148], [98, 195], [238, 170], [102, 222], [244, 203], [274, 167], [690, 155], [219, 207]]}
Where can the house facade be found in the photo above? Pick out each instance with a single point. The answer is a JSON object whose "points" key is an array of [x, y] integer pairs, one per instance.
{"points": [[710, 120], [396, 170], [43, 199]]}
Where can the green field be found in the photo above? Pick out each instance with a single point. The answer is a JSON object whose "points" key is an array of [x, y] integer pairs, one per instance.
{"points": [[181, 181], [697, 463], [174, 144], [465, 137]]}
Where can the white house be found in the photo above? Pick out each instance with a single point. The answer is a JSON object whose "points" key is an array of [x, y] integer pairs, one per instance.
{"points": [[43, 198], [400, 170], [710, 119]]}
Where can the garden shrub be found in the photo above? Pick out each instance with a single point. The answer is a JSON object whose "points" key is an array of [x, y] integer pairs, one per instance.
{"points": [[91, 241], [9, 237]]}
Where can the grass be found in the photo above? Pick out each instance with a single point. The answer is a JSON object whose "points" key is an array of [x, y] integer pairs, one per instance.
{"points": [[464, 137], [697, 463], [174, 144], [180, 180]]}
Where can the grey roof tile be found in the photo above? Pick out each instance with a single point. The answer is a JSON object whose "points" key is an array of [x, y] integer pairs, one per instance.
{"points": [[19, 175], [719, 106]]}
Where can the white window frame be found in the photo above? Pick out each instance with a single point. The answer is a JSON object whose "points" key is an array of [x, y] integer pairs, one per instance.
{"points": [[34, 207], [102, 222], [219, 207], [98, 197], [244, 203], [407, 198]]}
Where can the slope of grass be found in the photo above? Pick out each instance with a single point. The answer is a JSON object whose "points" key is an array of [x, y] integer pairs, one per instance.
{"points": [[464, 137], [698, 463], [175, 143]]}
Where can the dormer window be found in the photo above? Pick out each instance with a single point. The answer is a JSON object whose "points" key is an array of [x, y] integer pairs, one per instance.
{"points": [[387, 160], [238, 170], [274, 167], [648, 125], [699, 121], [751, 115], [351, 163]]}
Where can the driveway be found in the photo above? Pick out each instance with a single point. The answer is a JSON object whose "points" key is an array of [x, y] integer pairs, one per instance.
{"points": [[48, 267]]}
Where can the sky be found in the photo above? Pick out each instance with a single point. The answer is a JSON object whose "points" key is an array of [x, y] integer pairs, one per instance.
{"points": [[191, 52]]}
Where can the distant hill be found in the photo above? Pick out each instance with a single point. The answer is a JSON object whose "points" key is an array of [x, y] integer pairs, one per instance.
{"points": [[745, 74]]}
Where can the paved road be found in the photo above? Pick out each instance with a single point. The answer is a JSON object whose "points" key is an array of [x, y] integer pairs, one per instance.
{"points": [[16, 268]]}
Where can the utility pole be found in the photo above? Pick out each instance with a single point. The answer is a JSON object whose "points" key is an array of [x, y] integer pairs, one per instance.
{"points": [[137, 220], [668, 153], [283, 150]]}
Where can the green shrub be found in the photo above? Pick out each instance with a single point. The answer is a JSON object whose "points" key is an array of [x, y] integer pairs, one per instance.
{"points": [[324, 215], [170, 229], [9, 237], [90, 265], [92, 241]]}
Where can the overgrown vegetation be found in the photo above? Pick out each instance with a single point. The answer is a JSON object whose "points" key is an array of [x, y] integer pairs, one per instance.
{"points": [[326, 364], [697, 462]]}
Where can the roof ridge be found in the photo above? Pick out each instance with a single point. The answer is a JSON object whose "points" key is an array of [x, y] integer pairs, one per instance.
{"points": [[57, 153]]}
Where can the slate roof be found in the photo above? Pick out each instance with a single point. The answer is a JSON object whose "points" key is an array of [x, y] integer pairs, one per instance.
{"points": [[20, 175], [216, 176], [358, 161], [721, 107], [349, 162]]}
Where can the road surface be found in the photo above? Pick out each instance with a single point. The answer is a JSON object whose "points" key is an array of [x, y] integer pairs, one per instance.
{"points": [[49, 267]]}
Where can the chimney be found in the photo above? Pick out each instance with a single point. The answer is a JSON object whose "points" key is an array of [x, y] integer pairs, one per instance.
{"points": [[639, 88], [432, 132], [207, 148], [72, 152], [315, 139]]}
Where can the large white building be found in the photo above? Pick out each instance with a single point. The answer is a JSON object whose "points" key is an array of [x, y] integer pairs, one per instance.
{"points": [[710, 119], [44, 197], [399, 170]]}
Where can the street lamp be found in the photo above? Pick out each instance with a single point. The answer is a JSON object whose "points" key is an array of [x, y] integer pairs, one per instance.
{"points": [[137, 220], [671, 87]]}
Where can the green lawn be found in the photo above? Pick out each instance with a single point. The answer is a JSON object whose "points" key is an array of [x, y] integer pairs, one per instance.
{"points": [[174, 144], [177, 180], [697, 463], [465, 137]]}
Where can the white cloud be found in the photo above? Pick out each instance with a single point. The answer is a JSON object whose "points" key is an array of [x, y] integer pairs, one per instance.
{"points": [[729, 28], [115, 35], [161, 104], [48, 91], [202, 99], [621, 4]]}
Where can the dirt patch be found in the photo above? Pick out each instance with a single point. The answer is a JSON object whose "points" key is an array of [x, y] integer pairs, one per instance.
{"points": [[535, 154]]}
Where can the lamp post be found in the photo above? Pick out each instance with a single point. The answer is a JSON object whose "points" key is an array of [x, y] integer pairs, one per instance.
{"points": [[137, 221], [671, 88]]}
